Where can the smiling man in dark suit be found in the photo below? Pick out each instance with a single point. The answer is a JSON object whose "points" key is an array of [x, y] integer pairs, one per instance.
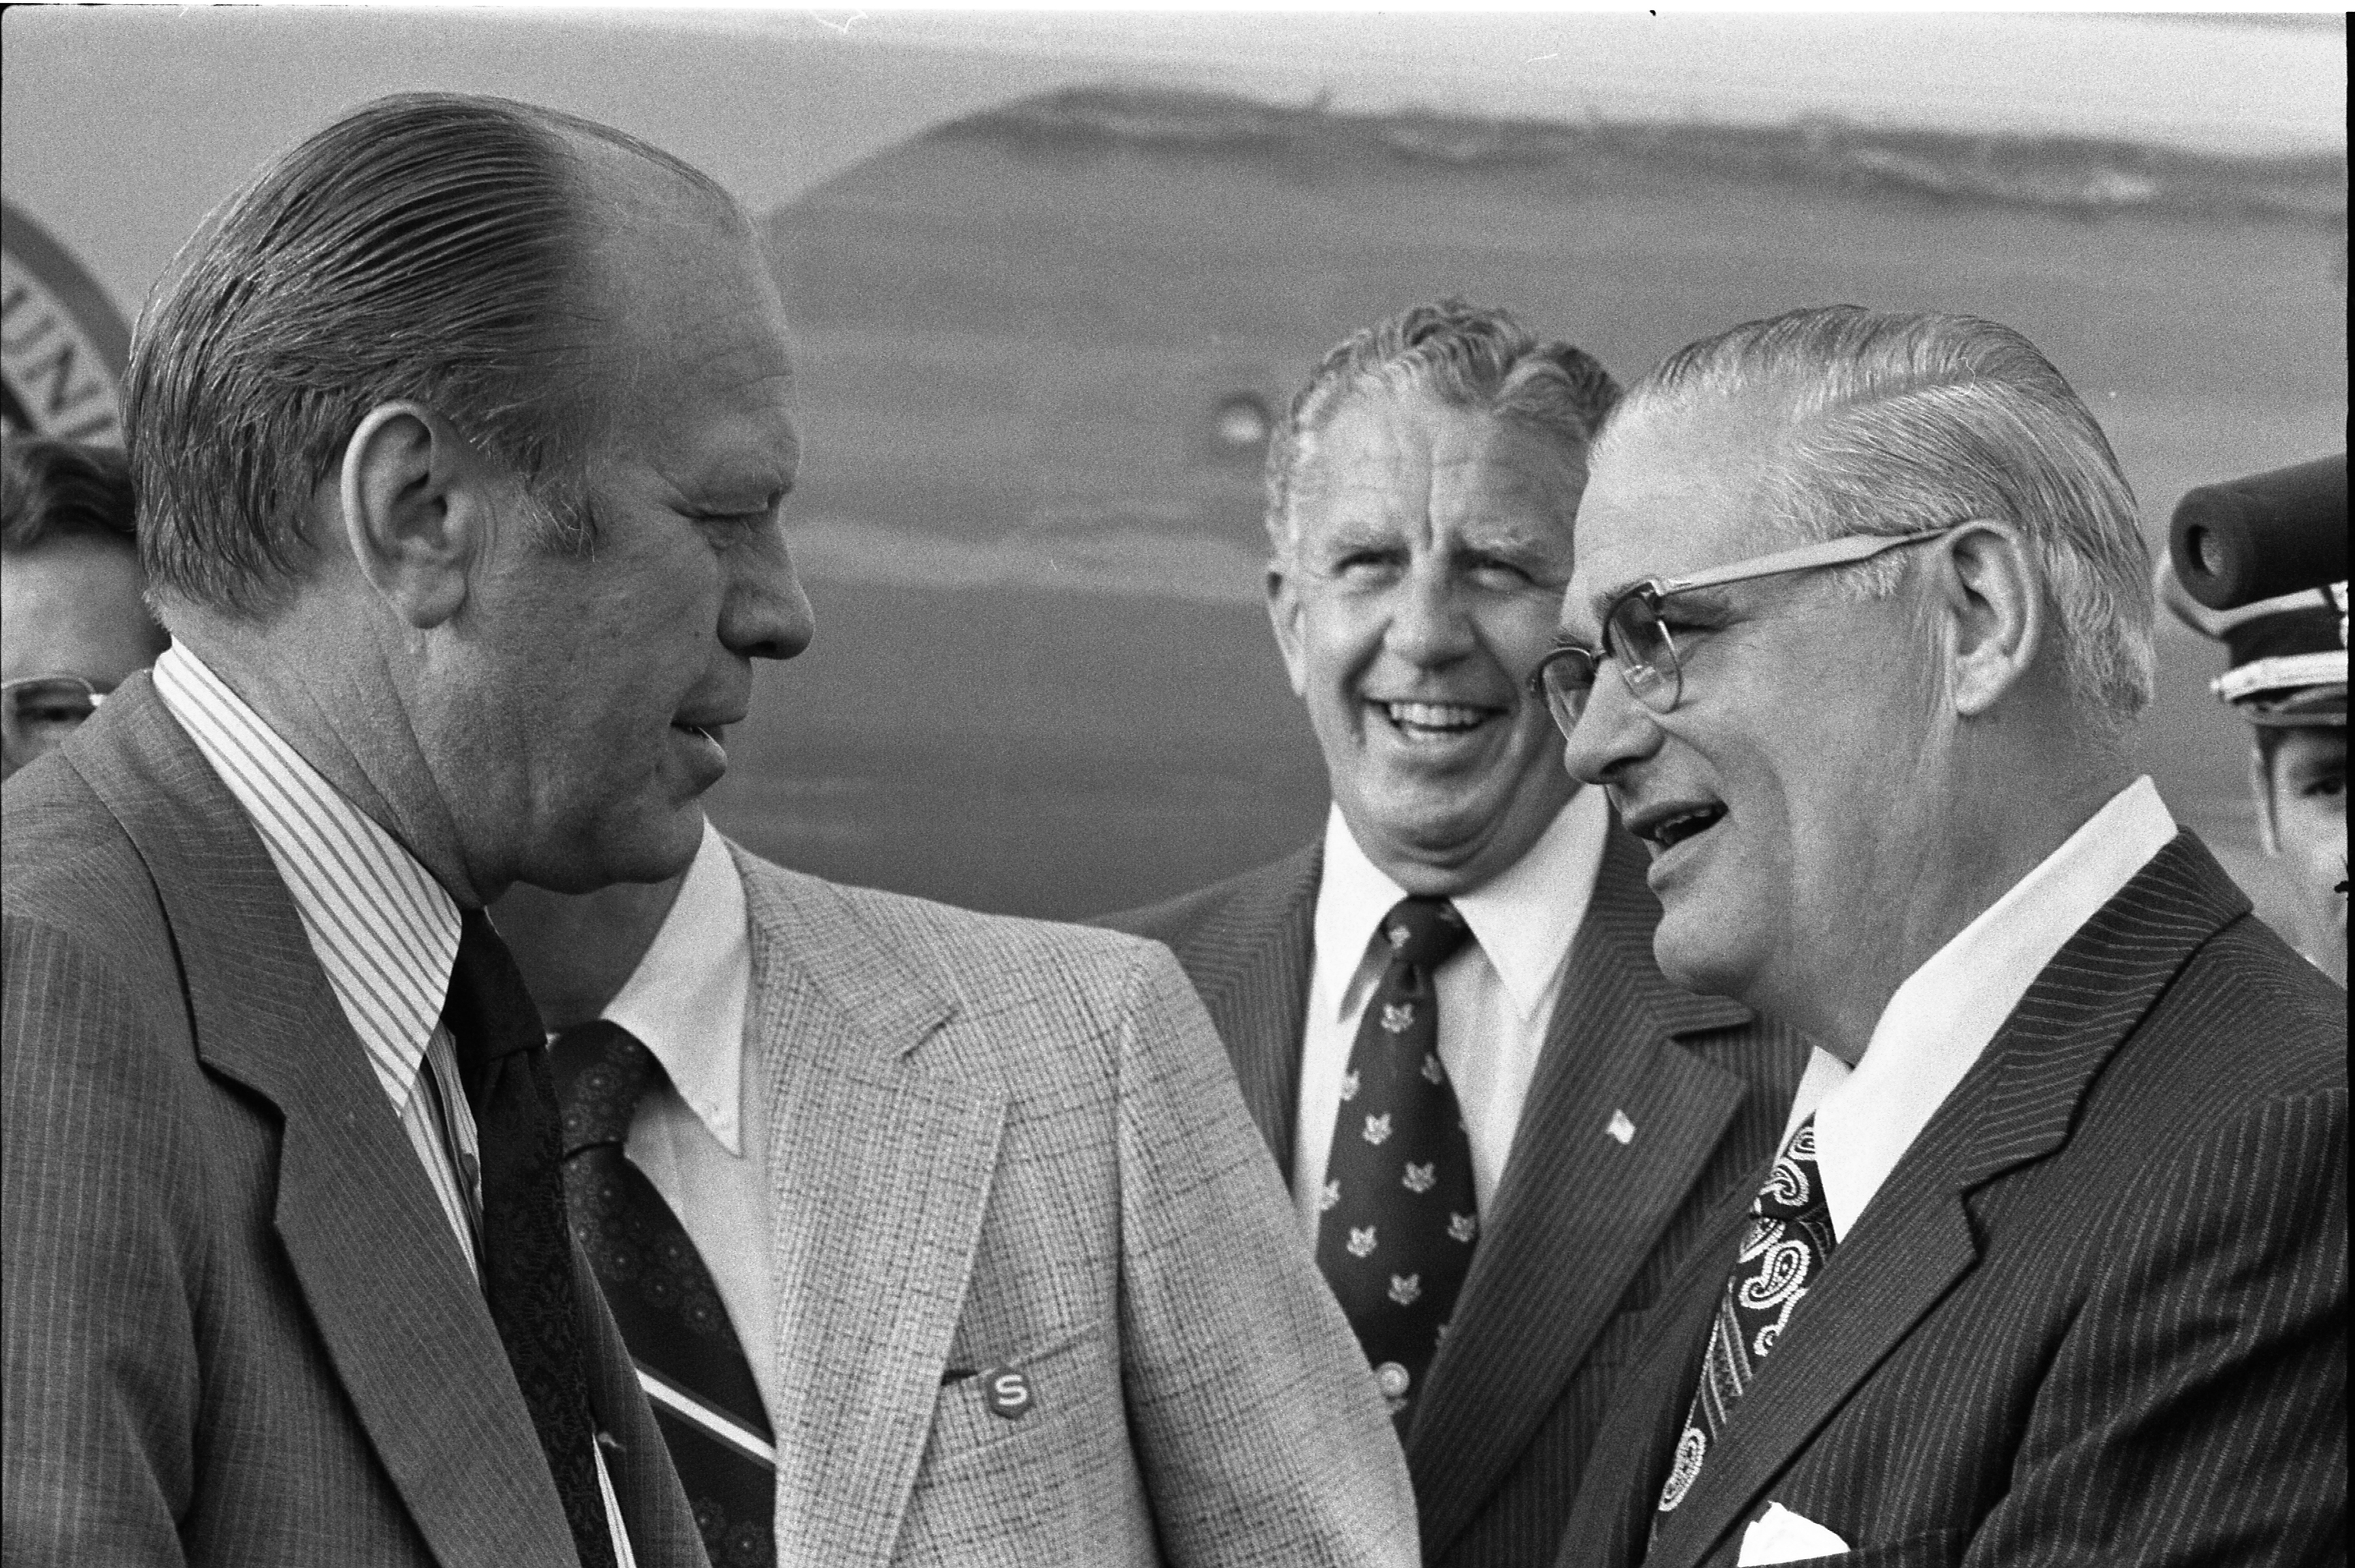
{"points": [[1499, 1123], [2053, 1265]]}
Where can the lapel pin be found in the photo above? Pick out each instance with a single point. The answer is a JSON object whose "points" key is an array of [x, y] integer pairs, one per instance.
{"points": [[1008, 1392], [1621, 1128]]}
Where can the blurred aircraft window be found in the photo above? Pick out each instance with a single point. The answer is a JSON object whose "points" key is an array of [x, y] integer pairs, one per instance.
{"points": [[1243, 424]]}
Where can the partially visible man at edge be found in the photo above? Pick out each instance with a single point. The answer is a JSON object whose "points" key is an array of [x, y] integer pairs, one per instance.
{"points": [[1518, 1173], [2052, 1265], [2287, 677], [460, 435], [73, 626]]}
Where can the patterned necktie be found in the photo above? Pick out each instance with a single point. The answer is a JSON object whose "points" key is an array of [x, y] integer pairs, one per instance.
{"points": [[527, 1261], [663, 1297], [1398, 1211], [1784, 1248]]}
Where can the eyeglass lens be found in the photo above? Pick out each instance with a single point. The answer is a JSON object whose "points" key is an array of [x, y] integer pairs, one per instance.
{"points": [[1647, 656], [1567, 676], [39, 714]]}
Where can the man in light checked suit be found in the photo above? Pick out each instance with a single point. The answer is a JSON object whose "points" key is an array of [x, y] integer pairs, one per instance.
{"points": [[1010, 1276]]}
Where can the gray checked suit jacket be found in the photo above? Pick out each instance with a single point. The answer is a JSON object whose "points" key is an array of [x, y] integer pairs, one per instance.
{"points": [[1000, 1144], [2097, 1314], [1584, 1229], [238, 1328]]}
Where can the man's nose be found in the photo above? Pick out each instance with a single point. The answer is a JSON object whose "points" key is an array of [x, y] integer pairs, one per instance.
{"points": [[763, 613], [1613, 730], [1429, 623]]}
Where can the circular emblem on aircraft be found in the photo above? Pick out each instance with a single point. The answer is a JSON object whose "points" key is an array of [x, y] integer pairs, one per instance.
{"points": [[62, 343]]}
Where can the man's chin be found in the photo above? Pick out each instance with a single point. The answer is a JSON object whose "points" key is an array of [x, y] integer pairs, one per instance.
{"points": [[1698, 953], [1443, 826], [647, 851]]}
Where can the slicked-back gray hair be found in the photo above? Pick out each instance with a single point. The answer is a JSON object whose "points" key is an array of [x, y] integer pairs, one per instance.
{"points": [[430, 247], [1905, 422], [1466, 356]]}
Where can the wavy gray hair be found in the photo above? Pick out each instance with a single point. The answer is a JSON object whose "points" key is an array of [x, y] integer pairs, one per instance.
{"points": [[1467, 356], [1904, 421]]}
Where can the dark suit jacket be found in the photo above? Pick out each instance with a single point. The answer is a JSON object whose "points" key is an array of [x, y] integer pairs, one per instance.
{"points": [[238, 1327], [1583, 1230], [2096, 1314]]}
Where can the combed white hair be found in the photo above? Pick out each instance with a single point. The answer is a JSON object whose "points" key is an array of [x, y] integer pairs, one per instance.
{"points": [[1897, 422]]}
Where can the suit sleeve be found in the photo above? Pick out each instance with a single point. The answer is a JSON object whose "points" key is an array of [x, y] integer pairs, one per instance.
{"points": [[102, 1372], [2196, 1413], [1259, 1431]]}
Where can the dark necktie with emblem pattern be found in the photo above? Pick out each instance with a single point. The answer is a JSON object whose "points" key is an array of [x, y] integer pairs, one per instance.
{"points": [[527, 1262], [1399, 1213], [1784, 1249], [663, 1296]]}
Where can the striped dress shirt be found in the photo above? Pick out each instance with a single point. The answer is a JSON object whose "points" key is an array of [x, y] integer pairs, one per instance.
{"points": [[383, 929]]}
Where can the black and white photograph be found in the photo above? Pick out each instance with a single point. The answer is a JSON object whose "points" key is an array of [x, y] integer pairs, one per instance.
{"points": [[1091, 788]]}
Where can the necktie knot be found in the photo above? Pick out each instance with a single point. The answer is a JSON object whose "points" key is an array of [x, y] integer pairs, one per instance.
{"points": [[1425, 932], [489, 1011], [1794, 1188], [602, 1072]]}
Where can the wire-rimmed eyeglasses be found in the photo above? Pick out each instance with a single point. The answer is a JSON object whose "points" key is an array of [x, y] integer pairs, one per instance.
{"points": [[1635, 638], [38, 711]]}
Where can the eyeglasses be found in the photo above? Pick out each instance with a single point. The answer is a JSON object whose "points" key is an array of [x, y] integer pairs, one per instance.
{"points": [[1634, 637], [38, 711]]}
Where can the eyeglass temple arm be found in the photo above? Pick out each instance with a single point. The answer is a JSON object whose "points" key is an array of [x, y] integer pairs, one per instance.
{"points": [[1826, 552]]}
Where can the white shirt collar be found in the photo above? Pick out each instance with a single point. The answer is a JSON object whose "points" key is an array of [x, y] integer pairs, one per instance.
{"points": [[383, 929], [1524, 918], [688, 996], [1944, 1015]]}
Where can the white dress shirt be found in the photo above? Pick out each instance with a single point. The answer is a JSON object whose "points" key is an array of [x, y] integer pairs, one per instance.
{"points": [[383, 929], [1948, 1011], [702, 1138], [1496, 994]]}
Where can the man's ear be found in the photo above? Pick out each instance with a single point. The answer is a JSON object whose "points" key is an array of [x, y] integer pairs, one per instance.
{"points": [[1283, 613], [1994, 602], [417, 510]]}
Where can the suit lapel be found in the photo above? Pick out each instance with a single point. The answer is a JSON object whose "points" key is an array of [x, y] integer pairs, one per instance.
{"points": [[385, 1281], [1251, 973], [1551, 1268], [1611, 1522], [880, 1171], [1915, 1238]]}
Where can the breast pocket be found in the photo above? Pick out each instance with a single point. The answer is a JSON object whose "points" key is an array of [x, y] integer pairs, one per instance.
{"points": [[1938, 1548], [1029, 1464], [1064, 1384]]}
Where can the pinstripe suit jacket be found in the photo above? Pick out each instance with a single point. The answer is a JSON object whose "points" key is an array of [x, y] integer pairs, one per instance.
{"points": [[239, 1330], [2097, 1312], [998, 1142], [1583, 1230]]}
